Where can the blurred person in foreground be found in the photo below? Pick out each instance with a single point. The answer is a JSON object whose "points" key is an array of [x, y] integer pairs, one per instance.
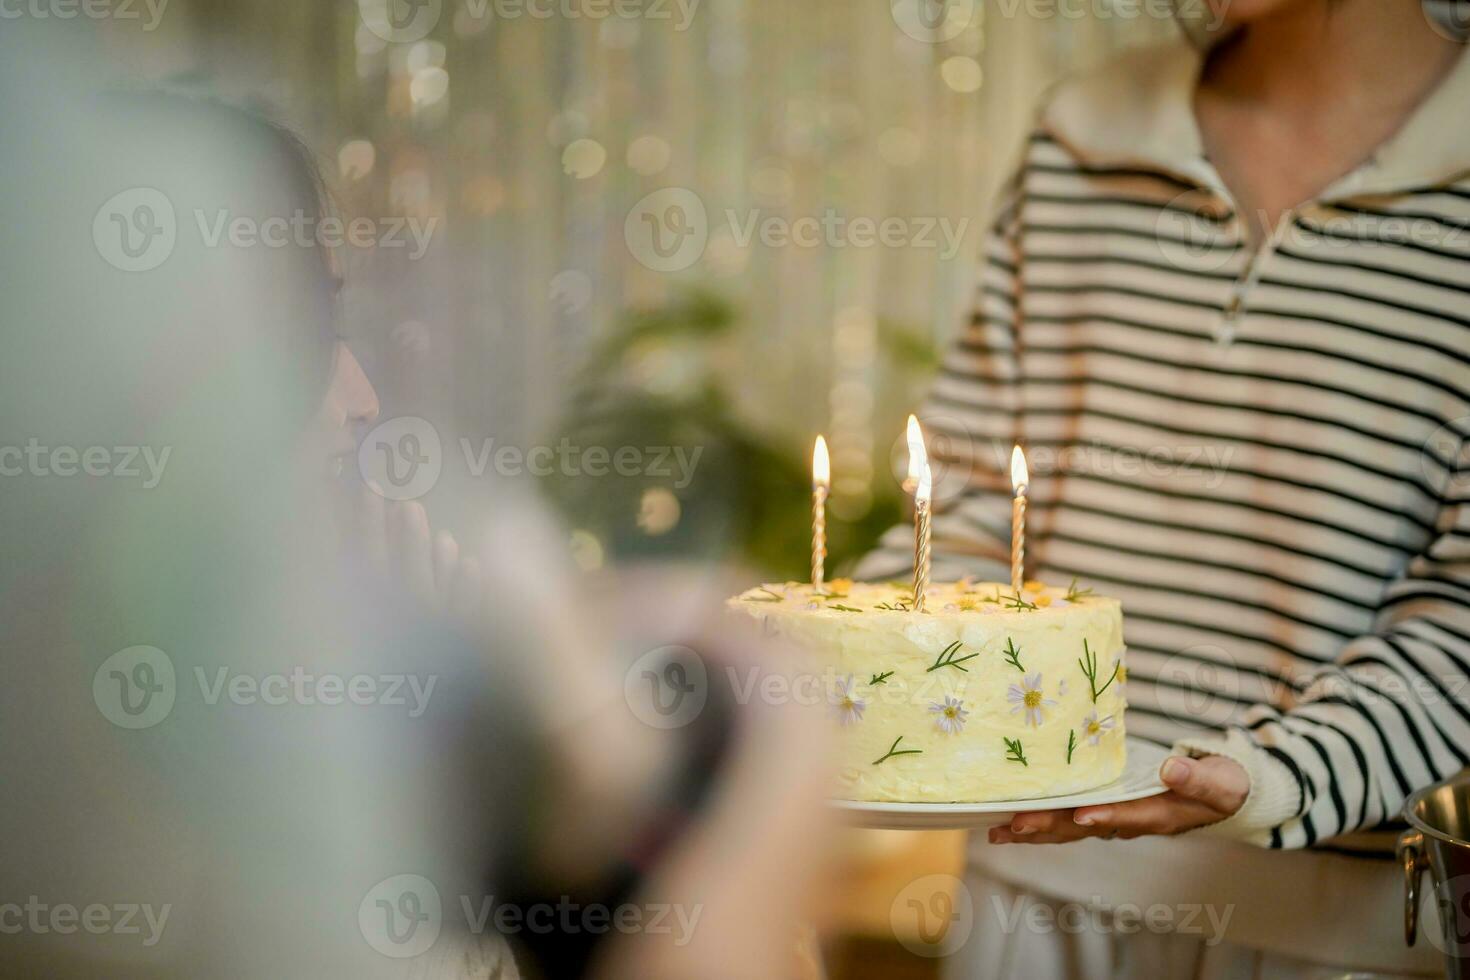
{"points": [[1226, 311], [168, 776]]}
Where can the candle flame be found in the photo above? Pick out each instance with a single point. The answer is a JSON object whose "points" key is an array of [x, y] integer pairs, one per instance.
{"points": [[918, 457], [1019, 476], [924, 490], [821, 464]]}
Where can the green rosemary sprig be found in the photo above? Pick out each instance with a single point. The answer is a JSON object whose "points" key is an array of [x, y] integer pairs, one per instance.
{"points": [[894, 750], [899, 606], [947, 658], [1013, 655], [1017, 602], [1074, 593], [838, 605], [1071, 744], [1088, 663], [881, 678], [1014, 752], [769, 596]]}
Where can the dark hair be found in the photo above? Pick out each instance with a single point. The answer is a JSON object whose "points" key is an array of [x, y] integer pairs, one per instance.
{"points": [[261, 169]]}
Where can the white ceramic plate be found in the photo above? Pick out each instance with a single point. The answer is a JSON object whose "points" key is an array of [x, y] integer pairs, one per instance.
{"points": [[1140, 779]]}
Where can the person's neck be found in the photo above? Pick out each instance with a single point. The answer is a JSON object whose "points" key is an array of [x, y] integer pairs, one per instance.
{"points": [[1354, 54]]}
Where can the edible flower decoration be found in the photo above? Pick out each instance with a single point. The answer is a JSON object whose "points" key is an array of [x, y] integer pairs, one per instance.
{"points": [[1027, 697], [951, 714], [1093, 727], [845, 704]]}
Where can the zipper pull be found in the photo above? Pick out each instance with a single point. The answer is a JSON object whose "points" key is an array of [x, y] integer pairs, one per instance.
{"points": [[1226, 326], [1229, 323]]}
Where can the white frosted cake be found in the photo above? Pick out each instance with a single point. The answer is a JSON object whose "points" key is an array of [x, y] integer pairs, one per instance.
{"points": [[987, 695]]}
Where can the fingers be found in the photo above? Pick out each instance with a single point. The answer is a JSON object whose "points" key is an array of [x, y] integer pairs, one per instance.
{"points": [[396, 541], [1004, 835], [1041, 827], [1167, 813], [467, 600], [372, 527], [1045, 822], [446, 567], [409, 547], [1221, 784]]}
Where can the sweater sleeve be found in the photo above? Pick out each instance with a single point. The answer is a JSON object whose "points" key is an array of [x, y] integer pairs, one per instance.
{"points": [[969, 420], [1390, 716]]}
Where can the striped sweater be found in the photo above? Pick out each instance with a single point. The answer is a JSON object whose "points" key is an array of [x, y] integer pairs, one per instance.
{"points": [[1262, 449]]}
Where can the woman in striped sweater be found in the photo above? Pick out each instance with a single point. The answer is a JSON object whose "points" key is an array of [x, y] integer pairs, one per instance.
{"points": [[1226, 309]]}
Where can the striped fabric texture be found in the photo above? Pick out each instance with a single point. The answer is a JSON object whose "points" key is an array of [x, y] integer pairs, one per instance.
{"points": [[1261, 447]]}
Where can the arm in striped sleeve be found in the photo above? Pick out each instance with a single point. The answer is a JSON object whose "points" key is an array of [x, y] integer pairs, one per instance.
{"points": [[1390, 716], [969, 418]]}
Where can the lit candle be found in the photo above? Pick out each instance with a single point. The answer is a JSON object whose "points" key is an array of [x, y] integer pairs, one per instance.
{"points": [[921, 536], [821, 481], [918, 484], [917, 455], [1019, 478]]}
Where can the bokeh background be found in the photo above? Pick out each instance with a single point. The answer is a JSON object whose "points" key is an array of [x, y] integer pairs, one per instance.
{"points": [[543, 141], [531, 133]]}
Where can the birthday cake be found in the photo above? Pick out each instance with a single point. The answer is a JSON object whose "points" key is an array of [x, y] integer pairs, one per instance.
{"points": [[989, 694]]}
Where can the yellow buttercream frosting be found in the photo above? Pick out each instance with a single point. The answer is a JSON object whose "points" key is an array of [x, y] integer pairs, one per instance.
{"points": [[944, 705]]}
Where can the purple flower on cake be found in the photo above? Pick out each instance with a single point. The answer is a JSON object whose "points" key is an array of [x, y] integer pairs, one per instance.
{"points": [[1027, 697], [847, 706], [1093, 727], [1062, 688], [951, 715]]}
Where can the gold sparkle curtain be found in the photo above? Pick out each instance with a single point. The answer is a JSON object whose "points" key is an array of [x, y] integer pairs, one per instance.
{"points": [[531, 131]]}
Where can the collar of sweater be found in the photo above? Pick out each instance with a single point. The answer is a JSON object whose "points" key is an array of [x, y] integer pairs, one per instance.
{"points": [[1137, 111]]}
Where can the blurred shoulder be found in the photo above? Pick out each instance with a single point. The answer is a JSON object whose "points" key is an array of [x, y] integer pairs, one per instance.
{"points": [[1134, 109]]}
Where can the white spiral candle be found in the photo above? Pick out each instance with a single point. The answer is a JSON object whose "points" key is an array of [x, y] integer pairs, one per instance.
{"points": [[821, 479], [1019, 479]]}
